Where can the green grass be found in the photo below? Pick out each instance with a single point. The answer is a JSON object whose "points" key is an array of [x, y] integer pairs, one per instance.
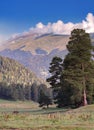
{"points": [[31, 117]]}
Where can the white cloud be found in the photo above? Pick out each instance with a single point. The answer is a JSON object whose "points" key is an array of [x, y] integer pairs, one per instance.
{"points": [[15, 35], [60, 27], [88, 25]]}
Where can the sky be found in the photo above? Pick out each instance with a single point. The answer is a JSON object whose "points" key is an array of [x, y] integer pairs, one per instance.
{"points": [[44, 16]]}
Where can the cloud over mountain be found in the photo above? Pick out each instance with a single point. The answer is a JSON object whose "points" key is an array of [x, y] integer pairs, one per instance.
{"points": [[60, 27], [88, 25], [57, 28]]}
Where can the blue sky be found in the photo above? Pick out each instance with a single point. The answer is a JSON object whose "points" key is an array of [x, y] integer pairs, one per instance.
{"points": [[17, 16]]}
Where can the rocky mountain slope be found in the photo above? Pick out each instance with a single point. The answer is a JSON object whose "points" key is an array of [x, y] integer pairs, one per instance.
{"points": [[13, 72], [35, 44], [36, 51]]}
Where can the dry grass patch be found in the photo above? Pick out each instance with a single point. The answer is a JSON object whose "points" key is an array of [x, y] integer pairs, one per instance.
{"points": [[30, 117]]}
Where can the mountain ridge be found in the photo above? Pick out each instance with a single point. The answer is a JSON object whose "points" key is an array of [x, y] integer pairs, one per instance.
{"points": [[31, 43], [36, 51]]}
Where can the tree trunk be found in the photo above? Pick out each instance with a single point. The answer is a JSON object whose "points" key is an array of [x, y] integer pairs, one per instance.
{"points": [[84, 98], [84, 88]]}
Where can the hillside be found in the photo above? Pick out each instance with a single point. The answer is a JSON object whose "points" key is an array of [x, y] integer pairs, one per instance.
{"points": [[16, 80], [13, 72]]}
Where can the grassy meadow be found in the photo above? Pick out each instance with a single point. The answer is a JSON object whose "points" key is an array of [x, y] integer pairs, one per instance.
{"points": [[27, 115]]}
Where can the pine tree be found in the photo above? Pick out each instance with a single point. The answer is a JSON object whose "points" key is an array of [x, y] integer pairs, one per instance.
{"points": [[78, 66], [55, 71]]}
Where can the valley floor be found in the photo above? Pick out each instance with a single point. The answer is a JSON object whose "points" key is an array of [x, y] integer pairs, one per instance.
{"points": [[28, 116]]}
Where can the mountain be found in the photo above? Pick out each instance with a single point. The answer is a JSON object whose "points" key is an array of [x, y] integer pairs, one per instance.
{"points": [[36, 51], [32, 43], [17, 81]]}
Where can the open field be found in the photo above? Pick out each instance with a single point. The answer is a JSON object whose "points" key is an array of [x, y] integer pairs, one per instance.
{"points": [[28, 116]]}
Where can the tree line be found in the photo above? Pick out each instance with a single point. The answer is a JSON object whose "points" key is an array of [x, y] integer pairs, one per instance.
{"points": [[72, 79], [23, 92]]}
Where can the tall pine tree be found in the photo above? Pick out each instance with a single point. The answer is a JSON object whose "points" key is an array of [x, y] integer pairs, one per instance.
{"points": [[78, 67]]}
